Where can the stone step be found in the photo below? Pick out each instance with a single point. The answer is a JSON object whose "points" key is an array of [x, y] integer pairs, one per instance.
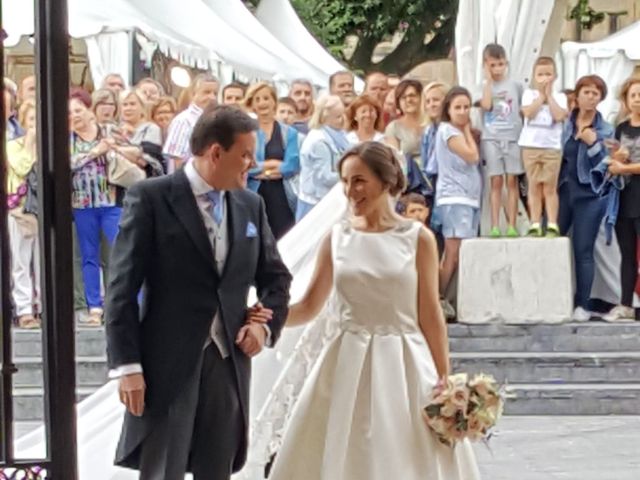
{"points": [[576, 369], [569, 337], [592, 336], [552, 367], [89, 342], [574, 399], [28, 403], [525, 399], [90, 371]]}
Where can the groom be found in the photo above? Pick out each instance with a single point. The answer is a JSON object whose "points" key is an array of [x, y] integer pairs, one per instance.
{"points": [[195, 241]]}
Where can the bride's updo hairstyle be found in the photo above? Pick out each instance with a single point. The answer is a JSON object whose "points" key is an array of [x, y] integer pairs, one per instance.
{"points": [[382, 161]]}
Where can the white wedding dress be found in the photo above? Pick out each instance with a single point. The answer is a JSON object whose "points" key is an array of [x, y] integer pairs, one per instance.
{"points": [[358, 416]]}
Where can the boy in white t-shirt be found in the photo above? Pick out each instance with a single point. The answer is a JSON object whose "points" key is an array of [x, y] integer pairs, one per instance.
{"points": [[541, 143]]}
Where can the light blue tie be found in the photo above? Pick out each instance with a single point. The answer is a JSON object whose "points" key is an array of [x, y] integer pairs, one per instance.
{"points": [[216, 206]]}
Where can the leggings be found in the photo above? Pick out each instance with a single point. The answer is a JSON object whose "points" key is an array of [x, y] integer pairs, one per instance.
{"points": [[628, 233]]}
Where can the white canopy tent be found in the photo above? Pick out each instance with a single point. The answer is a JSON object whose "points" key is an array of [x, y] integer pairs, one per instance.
{"points": [[279, 17], [613, 58], [106, 27], [202, 38], [237, 16]]}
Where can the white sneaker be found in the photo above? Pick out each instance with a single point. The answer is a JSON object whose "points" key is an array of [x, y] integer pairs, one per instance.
{"points": [[620, 313], [581, 315], [447, 309]]}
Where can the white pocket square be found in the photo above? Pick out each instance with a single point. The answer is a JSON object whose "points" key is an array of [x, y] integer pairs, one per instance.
{"points": [[252, 231]]}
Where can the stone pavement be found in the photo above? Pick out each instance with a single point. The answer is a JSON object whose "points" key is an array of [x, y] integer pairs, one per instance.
{"points": [[563, 448], [551, 448]]}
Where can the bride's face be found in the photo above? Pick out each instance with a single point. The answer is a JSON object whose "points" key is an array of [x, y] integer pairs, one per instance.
{"points": [[363, 189]]}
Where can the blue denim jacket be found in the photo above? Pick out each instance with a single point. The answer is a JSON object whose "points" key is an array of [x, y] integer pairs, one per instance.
{"points": [[291, 162], [427, 151], [609, 186], [318, 160], [289, 168], [588, 157]]}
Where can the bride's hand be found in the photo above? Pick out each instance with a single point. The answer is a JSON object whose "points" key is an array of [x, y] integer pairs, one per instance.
{"points": [[259, 314]]}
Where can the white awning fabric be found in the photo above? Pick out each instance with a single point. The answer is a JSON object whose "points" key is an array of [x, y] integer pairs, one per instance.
{"points": [[518, 25], [279, 17], [613, 58], [237, 16], [189, 31]]}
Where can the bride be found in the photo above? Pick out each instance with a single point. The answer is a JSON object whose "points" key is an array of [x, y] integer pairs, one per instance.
{"points": [[359, 413]]}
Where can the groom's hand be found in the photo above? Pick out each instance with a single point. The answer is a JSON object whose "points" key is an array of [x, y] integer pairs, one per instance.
{"points": [[251, 338], [131, 390]]}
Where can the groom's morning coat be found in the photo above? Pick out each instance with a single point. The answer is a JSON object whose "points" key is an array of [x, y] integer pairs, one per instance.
{"points": [[163, 247]]}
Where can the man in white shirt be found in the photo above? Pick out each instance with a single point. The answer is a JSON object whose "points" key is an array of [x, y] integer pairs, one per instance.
{"points": [[204, 92]]}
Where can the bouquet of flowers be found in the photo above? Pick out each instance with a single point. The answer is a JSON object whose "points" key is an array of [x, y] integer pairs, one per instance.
{"points": [[461, 408]]}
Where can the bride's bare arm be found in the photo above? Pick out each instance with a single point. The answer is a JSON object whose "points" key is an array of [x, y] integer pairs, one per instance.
{"points": [[318, 289], [430, 316]]}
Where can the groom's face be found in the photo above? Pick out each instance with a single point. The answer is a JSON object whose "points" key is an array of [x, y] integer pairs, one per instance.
{"points": [[233, 165]]}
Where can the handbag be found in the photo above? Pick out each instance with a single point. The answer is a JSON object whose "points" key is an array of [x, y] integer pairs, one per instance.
{"points": [[27, 222], [122, 172], [31, 202]]}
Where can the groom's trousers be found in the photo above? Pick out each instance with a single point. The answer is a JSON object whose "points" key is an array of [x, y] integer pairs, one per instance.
{"points": [[203, 429]]}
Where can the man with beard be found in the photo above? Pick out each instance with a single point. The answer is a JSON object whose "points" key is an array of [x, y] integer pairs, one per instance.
{"points": [[302, 93], [204, 92], [341, 84]]}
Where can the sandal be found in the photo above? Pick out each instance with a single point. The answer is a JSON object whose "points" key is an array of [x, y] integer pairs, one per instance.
{"points": [[552, 231], [28, 322]]}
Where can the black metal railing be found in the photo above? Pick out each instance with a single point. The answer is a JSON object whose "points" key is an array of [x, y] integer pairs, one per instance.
{"points": [[54, 221], [25, 473]]}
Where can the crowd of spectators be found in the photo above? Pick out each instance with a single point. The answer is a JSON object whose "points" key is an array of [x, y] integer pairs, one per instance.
{"points": [[580, 170]]}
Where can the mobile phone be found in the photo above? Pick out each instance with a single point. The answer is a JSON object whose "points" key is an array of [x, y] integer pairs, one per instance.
{"points": [[611, 143]]}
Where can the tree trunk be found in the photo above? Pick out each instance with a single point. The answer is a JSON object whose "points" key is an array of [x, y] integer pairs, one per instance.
{"points": [[412, 51], [360, 61]]}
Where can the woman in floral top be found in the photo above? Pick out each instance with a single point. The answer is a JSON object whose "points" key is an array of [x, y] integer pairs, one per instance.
{"points": [[96, 203]]}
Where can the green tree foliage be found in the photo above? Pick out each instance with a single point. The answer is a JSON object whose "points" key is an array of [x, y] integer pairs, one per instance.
{"points": [[586, 16], [427, 27]]}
